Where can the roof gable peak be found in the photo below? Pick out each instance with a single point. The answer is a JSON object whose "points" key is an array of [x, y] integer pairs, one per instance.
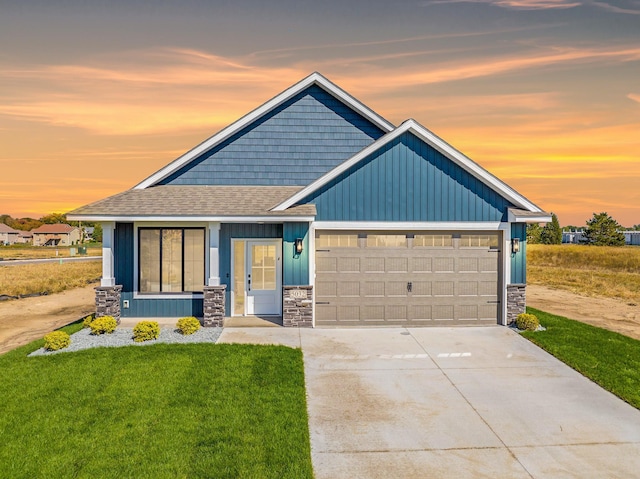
{"points": [[314, 78]]}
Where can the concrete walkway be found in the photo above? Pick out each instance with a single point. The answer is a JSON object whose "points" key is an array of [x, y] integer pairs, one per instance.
{"points": [[453, 402]]}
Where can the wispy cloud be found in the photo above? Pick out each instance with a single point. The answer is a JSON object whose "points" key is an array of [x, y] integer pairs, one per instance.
{"points": [[634, 96], [633, 7], [518, 4]]}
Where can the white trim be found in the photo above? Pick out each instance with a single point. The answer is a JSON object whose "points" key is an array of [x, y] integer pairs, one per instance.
{"points": [[213, 273], [506, 270], [434, 141], [200, 219], [407, 225], [315, 78], [544, 218], [108, 263]]}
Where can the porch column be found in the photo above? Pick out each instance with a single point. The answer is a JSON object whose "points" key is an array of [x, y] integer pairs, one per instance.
{"points": [[214, 254], [108, 278]]}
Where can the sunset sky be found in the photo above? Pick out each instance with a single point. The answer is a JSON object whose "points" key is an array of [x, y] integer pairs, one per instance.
{"points": [[97, 95]]}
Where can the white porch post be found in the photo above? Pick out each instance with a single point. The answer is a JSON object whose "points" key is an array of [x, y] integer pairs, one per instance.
{"points": [[214, 254], [108, 278]]}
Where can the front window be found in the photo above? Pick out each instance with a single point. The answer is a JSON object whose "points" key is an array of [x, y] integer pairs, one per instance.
{"points": [[171, 260]]}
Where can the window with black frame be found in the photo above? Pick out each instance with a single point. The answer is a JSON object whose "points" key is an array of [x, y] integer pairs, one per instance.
{"points": [[171, 260]]}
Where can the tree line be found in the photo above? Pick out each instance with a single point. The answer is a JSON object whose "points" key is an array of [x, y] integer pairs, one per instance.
{"points": [[600, 230]]}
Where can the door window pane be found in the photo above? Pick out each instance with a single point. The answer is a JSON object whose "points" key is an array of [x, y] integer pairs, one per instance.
{"points": [[263, 267], [238, 275]]}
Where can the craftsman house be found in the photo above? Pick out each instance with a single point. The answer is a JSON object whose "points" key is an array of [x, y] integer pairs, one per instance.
{"points": [[58, 234], [315, 208]]}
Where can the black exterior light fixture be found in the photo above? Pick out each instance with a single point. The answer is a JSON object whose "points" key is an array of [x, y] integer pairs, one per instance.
{"points": [[515, 245], [298, 245]]}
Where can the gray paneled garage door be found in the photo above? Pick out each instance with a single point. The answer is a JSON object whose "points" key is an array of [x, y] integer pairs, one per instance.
{"points": [[410, 279]]}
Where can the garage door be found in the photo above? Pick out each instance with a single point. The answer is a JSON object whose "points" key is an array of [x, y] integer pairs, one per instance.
{"points": [[411, 279]]}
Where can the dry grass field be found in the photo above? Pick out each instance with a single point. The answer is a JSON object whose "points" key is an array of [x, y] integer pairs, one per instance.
{"points": [[41, 252], [612, 272], [47, 277]]}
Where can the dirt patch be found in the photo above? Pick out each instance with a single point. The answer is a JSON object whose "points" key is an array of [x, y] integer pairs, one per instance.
{"points": [[28, 319], [612, 314]]}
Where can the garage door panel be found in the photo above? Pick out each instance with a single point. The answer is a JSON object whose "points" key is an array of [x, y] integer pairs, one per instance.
{"points": [[402, 284]]}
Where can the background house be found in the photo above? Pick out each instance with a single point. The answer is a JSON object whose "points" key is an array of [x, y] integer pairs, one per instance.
{"points": [[56, 235], [8, 235]]}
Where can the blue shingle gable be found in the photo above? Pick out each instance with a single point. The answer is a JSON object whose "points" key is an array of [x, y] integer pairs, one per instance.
{"points": [[407, 180], [294, 144]]}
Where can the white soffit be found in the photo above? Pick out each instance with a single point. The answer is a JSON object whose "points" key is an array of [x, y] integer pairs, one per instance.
{"points": [[315, 78]]}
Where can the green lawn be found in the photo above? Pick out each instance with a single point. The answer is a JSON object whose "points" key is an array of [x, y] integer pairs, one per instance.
{"points": [[173, 411], [609, 359]]}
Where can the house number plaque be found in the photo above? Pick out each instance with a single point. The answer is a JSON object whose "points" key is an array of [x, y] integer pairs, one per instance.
{"points": [[298, 293]]}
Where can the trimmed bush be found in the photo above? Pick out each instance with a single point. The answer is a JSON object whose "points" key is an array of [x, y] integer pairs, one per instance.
{"points": [[188, 325], [103, 324], [528, 322], [88, 320], [146, 331], [56, 340]]}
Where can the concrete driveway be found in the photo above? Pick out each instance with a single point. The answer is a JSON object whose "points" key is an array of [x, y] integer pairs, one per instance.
{"points": [[453, 402]]}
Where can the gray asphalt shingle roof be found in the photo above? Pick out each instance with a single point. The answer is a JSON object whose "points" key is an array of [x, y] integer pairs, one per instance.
{"points": [[185, 201]]}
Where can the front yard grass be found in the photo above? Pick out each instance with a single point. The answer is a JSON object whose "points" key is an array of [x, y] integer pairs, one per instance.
{"points": [[198, 410], [607, 358]]}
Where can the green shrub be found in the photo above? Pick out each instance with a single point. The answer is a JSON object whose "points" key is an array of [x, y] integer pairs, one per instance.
{"points": [[88, 320], [528, 322], [188, 325], [146, 331], [103, 324], [56, 340]]}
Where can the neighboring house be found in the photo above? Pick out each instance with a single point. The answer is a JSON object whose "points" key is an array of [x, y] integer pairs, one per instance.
{"points": [[56, 235], [24, 237], [316, 208], [630, 237], [8, 235], [88, 233]]}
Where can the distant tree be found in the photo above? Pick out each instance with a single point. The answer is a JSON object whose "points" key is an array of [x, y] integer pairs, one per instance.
{"points": [[54, 218], [24, 224], [533, 233], [97, 233], [570, 228], [551, 233], [635, 227], [603, 230]]}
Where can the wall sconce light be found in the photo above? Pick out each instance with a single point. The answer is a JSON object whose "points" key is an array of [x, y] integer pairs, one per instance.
{"points": [[298, 245], [515, 245]]}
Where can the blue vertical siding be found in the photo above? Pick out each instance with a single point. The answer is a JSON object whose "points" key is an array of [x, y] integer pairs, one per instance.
{"points": [[293, 144], [407, 180], [295, 267], [229, 231], [519, 260]]}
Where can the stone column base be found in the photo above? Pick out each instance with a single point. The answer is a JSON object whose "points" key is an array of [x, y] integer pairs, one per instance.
{"points": [[213, 307], [516, 301], [108, 301], [297, 306]]}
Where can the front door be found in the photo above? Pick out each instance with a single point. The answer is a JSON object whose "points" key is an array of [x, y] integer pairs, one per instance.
{"points": [[258, 290]]}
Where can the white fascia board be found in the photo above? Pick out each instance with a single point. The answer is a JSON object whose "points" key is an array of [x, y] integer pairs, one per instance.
{"points": [[189, 219], [543, 218], [433, 140], [409, 225], [235, 127]]}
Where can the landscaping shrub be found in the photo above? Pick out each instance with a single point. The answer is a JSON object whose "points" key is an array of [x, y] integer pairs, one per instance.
{"points": [[56, 340], [103, 324], [146, 331], [528, 322], [188, 325], [88, 320]]}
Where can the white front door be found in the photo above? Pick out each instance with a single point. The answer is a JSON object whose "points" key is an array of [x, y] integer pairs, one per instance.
{"points": [[262, 279]]}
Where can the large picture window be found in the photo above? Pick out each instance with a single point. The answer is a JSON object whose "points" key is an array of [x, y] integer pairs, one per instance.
{"points": [[171, 260]]}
